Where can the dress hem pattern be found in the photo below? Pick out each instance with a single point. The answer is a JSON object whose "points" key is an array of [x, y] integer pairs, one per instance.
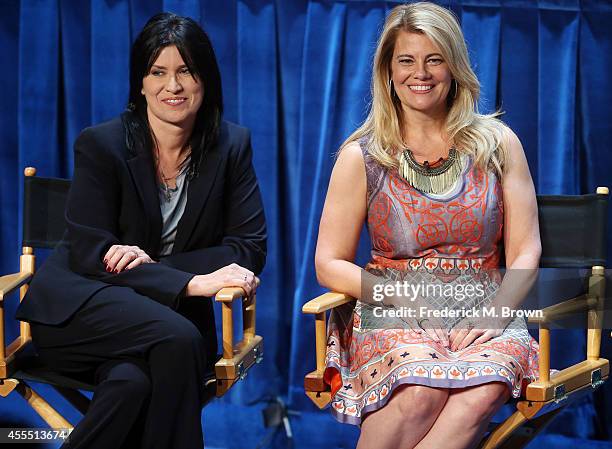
{"points": [[420, 371]]}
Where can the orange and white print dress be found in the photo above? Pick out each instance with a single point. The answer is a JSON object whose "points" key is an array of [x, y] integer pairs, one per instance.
{"points": [[428, 236]]}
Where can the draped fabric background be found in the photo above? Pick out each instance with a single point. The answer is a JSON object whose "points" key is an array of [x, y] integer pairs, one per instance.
{"points": [[297, 74]]}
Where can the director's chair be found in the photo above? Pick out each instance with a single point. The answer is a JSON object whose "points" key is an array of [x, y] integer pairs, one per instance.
{"points": [[43, 227], [573, 235]]}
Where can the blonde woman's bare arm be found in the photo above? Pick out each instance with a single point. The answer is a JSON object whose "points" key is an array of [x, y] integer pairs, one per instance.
{"points": [[343, 216]]}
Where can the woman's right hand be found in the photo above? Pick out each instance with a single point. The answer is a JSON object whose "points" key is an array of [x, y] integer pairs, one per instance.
{"points": [[229, 276], [125, 257], [433, 327]]}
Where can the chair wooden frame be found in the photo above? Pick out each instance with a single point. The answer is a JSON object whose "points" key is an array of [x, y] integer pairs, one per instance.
{"points": [[543, 399], [233, 366]]}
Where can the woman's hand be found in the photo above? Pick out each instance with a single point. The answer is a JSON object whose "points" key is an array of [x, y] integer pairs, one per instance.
{"points": [[435, 329], [125, 257], [229, 276], [475, 331], [432, 327]]}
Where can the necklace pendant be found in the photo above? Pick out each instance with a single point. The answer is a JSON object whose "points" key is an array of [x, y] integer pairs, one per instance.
{"points": [[166, 191], [435, 178]]}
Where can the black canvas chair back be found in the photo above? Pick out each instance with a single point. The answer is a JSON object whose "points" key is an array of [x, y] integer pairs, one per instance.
{"points": [[44, 201], [573, 230]]}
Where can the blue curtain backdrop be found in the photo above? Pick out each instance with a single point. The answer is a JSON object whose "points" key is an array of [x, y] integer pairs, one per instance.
{"points": [[297, 74]]}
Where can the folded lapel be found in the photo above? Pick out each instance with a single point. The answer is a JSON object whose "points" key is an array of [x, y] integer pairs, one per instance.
{"points": [[197, 194], [141, 168]]}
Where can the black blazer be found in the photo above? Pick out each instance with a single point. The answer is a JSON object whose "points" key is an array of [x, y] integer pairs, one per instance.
{"points": [[114, 200]]}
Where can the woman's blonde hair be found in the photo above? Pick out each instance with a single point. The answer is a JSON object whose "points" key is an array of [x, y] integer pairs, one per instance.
{"points": [[478, 135]]}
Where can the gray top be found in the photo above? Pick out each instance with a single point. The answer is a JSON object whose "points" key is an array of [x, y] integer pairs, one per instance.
{"points": [[172, 205]]}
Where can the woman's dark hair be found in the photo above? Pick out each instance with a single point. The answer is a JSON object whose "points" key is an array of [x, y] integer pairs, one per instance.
{"points": [[163, 30]]}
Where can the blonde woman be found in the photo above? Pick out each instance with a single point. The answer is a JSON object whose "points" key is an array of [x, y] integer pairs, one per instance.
{"points": [[440, 187]]}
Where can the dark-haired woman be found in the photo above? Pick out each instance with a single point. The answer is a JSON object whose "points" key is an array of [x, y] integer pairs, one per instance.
{"points": [[163, 212]]}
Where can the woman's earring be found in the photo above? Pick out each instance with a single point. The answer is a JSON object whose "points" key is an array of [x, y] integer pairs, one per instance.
{"points": [[456, 84], [391, 89]]}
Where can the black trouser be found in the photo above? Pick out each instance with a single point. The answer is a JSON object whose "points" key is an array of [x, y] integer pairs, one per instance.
{"points": [[148, 363]]}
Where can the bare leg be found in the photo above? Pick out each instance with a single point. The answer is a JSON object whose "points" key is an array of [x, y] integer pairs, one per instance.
{"points": [[412, 407], [465, 416]]}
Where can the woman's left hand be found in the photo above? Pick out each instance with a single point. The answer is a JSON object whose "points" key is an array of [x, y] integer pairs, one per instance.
{"points": [[125, 257], [474, 331]]}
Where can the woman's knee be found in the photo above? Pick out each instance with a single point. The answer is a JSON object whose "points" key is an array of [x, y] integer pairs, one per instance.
{"points": [[129, 380], [484, 401], [181, 342], [180, 331], [419, 403]]}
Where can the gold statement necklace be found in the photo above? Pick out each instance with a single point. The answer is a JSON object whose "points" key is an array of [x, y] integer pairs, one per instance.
{"points": [[437, 177]]}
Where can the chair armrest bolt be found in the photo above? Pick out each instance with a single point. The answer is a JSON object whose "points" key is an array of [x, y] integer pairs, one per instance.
{"points": [[560, 394], [596, 380], [241, 371], [258, 353]]}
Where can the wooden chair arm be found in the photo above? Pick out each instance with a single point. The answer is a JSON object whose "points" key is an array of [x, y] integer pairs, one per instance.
{"points": [[314, 384], [10, 282], [571, 379], [592, 302], [580, 303], [229, 294], [238, 358], [325, 302]]}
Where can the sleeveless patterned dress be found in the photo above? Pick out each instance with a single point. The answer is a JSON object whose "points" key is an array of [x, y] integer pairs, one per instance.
{"points": [[455, 235]]}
